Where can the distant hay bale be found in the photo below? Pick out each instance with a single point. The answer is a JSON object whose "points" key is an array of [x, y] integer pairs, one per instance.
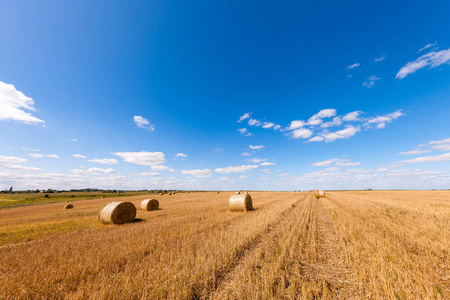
{"points": [[241, 202], [149, 204], [68, 206], [238, 192], [161, 194], [321, 193], [218, 192], [118, 213], [170, 193]]}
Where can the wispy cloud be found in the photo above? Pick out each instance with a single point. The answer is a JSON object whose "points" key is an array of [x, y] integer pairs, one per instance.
{"points": [[413, 152], [341, 134], [380, 121], [381, 58], [254, 122], [341, 162], [74, 140], [236, 169], [38, 155], [159, 168], [142, 158], [257, 160], [432, 60], [181, 156], [12, 163], [355, 65], [244, 117], [92, 171], [258, 147], [266, 164], [427, 159], [427, 46], [105, 161], [318, 118], [370, 82], [352, 116], [78, 156], [13, 103], [142, 122], [244, 131], [205, 173]]}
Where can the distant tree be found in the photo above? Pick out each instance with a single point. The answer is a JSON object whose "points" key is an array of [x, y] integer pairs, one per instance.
{"points": [[10, 189]]}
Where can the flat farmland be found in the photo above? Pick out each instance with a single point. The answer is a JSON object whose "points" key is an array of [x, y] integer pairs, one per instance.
{"points": [[347, 245]]}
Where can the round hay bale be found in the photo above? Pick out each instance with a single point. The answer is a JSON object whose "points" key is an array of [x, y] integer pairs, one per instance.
{"points": [[238, 193], [241, 202], [68, 206], [320, 194], [170, 193], [161, 194], [149, 204], [218, 192], [118, 213]]}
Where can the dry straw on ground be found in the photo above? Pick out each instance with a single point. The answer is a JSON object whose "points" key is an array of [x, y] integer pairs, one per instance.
{"points": [[118, 213], [68, 206], [149, 204], [241, 202]]}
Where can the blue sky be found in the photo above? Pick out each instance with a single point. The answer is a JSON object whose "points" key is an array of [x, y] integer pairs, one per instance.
{"points": [[270, 95]]}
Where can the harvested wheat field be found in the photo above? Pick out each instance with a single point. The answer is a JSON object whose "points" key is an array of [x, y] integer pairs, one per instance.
{"points": [[346, 245]]}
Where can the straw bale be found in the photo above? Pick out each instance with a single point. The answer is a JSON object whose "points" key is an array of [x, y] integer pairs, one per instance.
{"points": [[149, 204], [118, 213], [68, 206], [241, 202]]}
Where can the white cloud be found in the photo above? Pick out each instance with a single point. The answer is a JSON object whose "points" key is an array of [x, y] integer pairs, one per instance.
{"points": [[181, 156], [426, 47], [296, 124], [148, 174], [236, 169], [92, 171], [11, 163], [352, 116], [254, 122], [355, 65], [265, 164], [276, 127], [105, 161], [370, 82], [78, 156], [412, 152], [336, 122], [13, 103], [38, 155], [427, 159], [159, 168], [268, 124], [246, 154], [381, 58], [257, 160], [33, 150], [74, 140], [266, 171], [316, 139], [380, 121], [341, 134], [324, 113], [244, 131], [303, 133], [432, 59], [142, 158], [142, 122], [244, 117], [259, 147], [205, 173], [243, 176]]}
